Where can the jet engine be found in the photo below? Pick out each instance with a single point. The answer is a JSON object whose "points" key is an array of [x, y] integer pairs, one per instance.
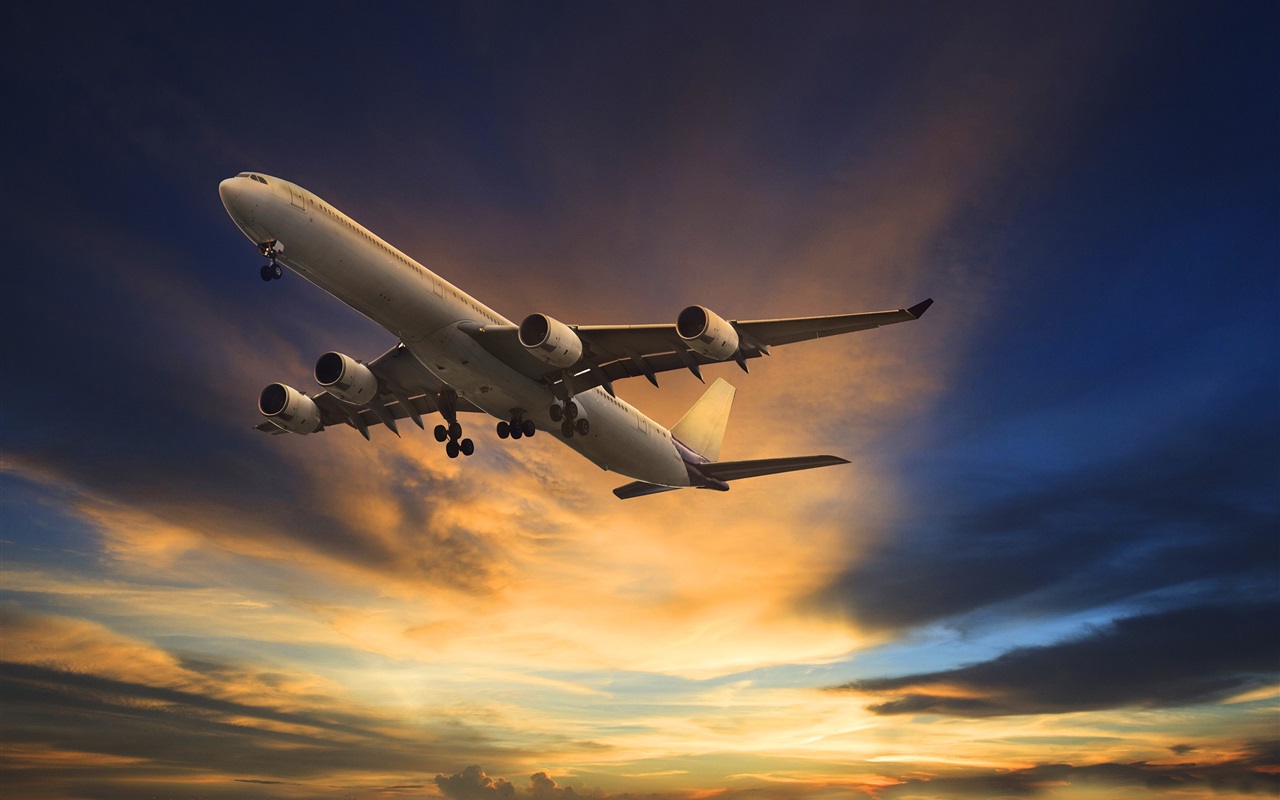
{"points": [[289, 408], [346, 379], [550, 340], [706, 333]]}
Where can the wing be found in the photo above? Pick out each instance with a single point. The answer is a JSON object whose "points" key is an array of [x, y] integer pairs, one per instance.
{"points": [[614, 352], [405, 390]]}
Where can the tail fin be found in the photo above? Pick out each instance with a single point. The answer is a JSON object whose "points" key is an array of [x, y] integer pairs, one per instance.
{"points": [[701, 429]]}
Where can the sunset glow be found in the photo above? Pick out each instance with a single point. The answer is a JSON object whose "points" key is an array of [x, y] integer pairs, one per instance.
{"points": [[1051, 569]]}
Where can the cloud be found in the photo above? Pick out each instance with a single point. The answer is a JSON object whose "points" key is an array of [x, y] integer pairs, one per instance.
{"points": [[86, 706], [606, 166], [1190, 504], [1173, 658], [1253, 772], [511, 529], [473, 784]]}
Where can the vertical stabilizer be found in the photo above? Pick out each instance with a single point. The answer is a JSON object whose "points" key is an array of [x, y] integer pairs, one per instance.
{"points": [[702, 428]]}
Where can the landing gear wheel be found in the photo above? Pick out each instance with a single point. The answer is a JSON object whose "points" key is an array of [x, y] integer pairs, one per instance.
{"points": [[452, 449], [265, 272], [582, 426], [467, 446], [528, 428], [455, 430], [516, 432], [566, 429], [505, 430], [276, 272], [556, 412], [571, 410], [442, 433]]}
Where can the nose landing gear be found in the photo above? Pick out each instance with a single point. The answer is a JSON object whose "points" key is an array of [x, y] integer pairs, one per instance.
{"points": [[271, 271]]}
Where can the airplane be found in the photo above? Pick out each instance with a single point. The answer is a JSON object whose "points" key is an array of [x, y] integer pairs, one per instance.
{"points": [[455, 355]]}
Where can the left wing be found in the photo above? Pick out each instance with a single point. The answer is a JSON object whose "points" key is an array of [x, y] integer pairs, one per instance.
{"points": [[406, 390], [614, 352]]}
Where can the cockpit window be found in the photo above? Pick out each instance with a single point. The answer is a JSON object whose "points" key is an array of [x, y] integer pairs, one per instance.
{"points": [[260, 179], [253, 177]]}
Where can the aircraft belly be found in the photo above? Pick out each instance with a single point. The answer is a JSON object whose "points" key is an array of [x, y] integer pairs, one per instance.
{"points": [[615, 442]]}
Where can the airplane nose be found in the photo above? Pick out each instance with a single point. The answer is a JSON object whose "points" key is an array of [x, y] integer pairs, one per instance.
{"points": [[230, 191]]}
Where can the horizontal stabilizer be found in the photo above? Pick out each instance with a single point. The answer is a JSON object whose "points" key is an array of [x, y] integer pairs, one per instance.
{"points": [[735, 470], [640, 489]]}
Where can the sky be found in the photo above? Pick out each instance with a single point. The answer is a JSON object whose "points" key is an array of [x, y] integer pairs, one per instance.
{"points": [[1051, 569]]}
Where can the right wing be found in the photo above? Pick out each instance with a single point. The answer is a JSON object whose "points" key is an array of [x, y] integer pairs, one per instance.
{"points": [[614, 352], [405, 390]]}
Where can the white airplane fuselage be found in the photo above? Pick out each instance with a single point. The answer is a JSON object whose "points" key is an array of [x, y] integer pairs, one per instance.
{"points": [[424, 311]]}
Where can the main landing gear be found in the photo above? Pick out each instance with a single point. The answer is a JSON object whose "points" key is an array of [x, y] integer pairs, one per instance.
{"points": [[570, 423], [517, 427], [452, 435], [271, 271], [454, 443]]}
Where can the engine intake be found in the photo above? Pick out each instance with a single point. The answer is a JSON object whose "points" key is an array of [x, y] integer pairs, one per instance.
{"points": [[707, 333], [346, 379], [288, 408], [550, 340]]}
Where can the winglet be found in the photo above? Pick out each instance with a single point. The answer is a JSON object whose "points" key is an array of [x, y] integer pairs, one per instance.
{"points": [[918, 309]]}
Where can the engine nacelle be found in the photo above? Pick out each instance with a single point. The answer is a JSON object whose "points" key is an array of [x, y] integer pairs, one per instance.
{"points": [[550, 340], [289, 408], [706, 333], [346, 379]]}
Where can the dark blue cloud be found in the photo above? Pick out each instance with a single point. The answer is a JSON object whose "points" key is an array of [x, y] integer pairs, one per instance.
{"points": [[1192, 510], [1173, 658], [1112, 434]]}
